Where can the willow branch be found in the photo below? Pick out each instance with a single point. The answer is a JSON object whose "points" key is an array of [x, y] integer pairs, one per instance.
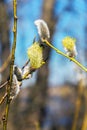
{"points": [[11, 66], [63, 54]]}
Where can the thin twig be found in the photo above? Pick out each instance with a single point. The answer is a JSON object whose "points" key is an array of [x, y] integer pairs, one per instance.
{"points": [[31, 70], [27, 73], [5, 121], [25, 64], [63, 54], [3, 98], [4, 84]]}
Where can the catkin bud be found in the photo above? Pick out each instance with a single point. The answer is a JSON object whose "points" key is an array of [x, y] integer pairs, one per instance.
{"points": [[27, 70], [43, 29], [69, 46], [15, 88], [18, 72]]}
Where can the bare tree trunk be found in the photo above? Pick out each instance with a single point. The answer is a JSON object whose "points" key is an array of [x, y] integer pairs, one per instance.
{"points": [[39, 92], [4, 37]]}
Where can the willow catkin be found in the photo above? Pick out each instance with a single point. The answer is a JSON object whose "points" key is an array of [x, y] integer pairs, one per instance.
{"points": [[69, 46], [15, 88], [43, 29], [35, 54]]}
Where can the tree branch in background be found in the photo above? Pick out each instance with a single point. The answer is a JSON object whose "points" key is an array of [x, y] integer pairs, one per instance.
{"points": [[84, 125], [4, 66], [4, 37], [78, 104]]}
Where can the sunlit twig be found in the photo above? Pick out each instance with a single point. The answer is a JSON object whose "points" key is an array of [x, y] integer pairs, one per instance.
{"points": [[63, 54], [4, 84], [3, 98]]}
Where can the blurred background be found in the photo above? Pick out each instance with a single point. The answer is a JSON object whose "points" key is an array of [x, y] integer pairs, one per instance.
{"points": [[55, 97]]}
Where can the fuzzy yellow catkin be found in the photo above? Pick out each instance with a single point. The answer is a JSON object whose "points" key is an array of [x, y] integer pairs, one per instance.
{"points": [[69, 46], [35, 54], [69, 43]]}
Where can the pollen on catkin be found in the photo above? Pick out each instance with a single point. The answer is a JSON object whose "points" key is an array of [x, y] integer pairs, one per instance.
{"points": [[69, 46], [35, 54]]}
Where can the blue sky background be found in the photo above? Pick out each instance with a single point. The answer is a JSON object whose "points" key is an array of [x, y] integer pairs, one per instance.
{"points": [[71, 22]]}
